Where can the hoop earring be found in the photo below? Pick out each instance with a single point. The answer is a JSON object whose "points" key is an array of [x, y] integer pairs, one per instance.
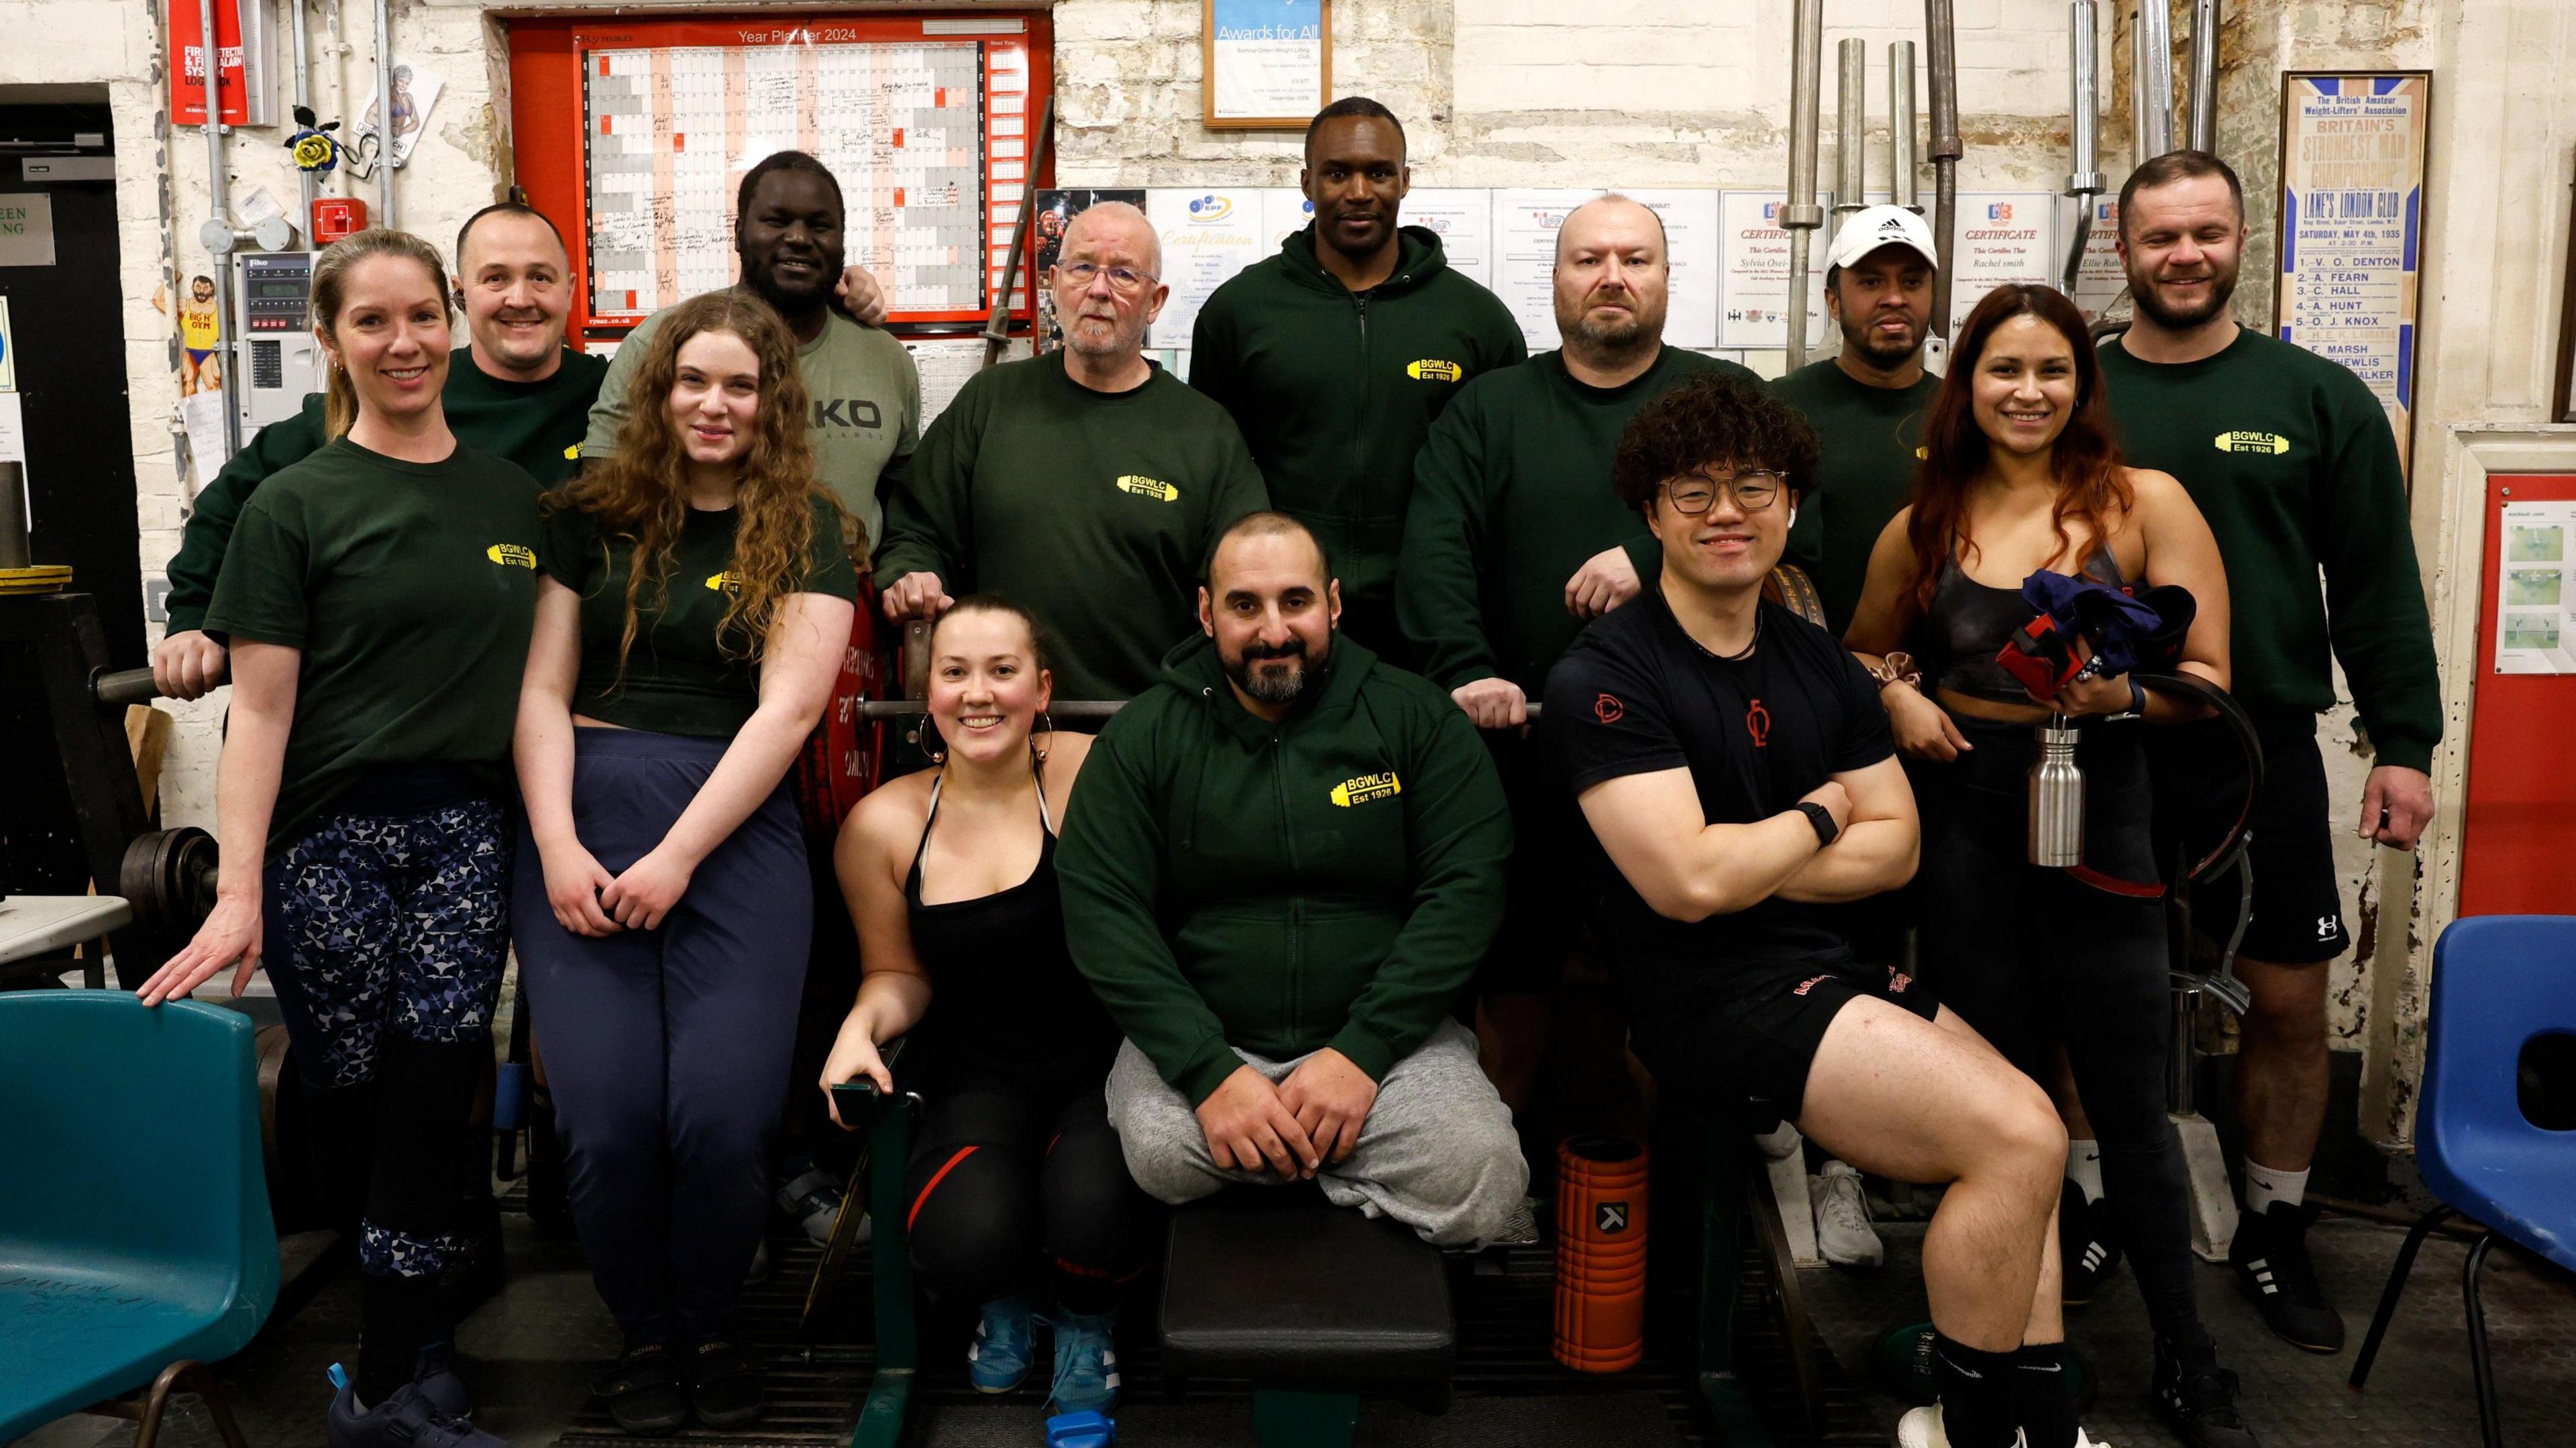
{"points": [[927, 731], [1046, 725]]}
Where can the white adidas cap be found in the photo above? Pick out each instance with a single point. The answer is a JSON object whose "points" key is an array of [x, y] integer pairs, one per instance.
{"points": [[1872, 227]]}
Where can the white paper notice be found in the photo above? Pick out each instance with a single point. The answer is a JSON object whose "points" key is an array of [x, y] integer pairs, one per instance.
{"points": [[2535, 594], [415, 91], [202, 414], [1284, 212], [1690, 238], [945, 364], [1208, 236], [1753, 274], [2099, 281], [2004, 236], [1465, 221], [13, 432], [1525, 227]]}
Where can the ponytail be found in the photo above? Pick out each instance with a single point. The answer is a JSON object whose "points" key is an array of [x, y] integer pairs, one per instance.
{"points": [[330, 293]]}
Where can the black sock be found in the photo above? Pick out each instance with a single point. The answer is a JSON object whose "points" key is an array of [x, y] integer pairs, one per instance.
{"points": [[1976, 1390], [2042, 1398]]}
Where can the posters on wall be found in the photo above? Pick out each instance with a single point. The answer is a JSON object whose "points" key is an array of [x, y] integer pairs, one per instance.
{"points": [[2099, 281], [2352, 197], [1056, 209], [1464, 220], [2004, 236], [2535, 594], [1753, 272], [1207, 236], [1525, 226], [1265, 61]]}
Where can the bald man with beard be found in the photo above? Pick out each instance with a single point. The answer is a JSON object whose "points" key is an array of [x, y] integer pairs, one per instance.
{"points": [[1087, 484]]}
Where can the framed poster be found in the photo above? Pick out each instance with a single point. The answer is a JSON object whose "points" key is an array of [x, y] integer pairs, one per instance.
{"points": [[2352, 226], [1266, 65], [2562, 404]]}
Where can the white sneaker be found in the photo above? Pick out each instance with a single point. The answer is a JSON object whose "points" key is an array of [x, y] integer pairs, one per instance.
{"points": [[1921, 1428], [1843, 1232], [1780, 1142]]}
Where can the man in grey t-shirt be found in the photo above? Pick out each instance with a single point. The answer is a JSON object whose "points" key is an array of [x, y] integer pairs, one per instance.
{"points": [[866, 392]]}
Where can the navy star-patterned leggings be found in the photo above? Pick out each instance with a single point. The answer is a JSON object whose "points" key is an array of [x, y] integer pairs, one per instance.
{"points": [[385, 935]]}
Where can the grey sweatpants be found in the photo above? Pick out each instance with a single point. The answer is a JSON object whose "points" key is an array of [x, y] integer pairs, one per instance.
{"points": [[1437, 1152]]}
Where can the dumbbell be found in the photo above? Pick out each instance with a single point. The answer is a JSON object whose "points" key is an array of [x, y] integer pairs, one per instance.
{"points": [[168, 876]]}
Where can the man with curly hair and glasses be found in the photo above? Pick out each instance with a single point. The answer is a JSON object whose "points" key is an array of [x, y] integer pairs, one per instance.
{"points": [[1736, 769]]}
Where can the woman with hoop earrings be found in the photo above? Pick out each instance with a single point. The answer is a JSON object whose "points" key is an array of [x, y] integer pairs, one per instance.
{"points": [[950, 874]]}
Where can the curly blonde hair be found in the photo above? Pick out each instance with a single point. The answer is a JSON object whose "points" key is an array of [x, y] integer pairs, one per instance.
{"points": [[641, 494]]}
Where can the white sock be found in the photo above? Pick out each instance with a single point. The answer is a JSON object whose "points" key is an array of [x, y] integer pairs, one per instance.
{"points": [[2264, 1186], [2084, 1168]]}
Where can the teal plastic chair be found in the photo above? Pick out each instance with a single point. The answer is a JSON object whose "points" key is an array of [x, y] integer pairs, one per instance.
{"points": [[135, 1239]]}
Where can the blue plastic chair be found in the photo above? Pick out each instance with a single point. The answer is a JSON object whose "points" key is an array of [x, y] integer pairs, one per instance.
{"points": [[2499, 981], [135, 1239]]}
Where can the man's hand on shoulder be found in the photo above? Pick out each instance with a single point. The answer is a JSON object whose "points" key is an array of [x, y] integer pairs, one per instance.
{"points": [[1492, 703], [2396, 804], [916, 595], [1248, 1125], [858, 294], [187, 664], [1606, 580], [1331, 1098]]}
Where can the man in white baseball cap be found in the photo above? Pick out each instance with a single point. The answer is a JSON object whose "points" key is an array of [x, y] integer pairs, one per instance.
{"points": [[1867, 404]]}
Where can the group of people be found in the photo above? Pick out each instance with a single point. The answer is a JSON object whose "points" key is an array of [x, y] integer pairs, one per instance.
{"points": [[524, 651]]}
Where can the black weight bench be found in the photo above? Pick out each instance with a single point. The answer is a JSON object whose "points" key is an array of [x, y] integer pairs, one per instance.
{"points": [[1312, 1303]]}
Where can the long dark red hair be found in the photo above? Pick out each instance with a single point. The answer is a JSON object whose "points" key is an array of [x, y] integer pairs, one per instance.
{"points": [[2091, 488]]}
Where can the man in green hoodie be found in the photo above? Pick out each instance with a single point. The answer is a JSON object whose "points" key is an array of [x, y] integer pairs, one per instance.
{"points": [[1283, 865], [1336, 355]]}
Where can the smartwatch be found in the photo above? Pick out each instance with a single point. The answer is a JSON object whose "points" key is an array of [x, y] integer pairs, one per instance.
{"points": [[1823, 819]]}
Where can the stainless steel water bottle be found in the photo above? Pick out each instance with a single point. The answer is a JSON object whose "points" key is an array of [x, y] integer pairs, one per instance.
{"points": [[2056, 797]]}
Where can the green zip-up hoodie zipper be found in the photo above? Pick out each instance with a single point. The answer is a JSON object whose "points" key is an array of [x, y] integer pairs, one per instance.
{"points": [[1330, 880]]}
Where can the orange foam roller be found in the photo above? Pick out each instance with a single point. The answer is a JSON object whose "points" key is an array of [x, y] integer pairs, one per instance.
{"points": [[1600, 1254]]}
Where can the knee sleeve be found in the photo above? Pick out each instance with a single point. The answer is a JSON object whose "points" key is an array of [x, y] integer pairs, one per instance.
{"points": [[340, 1133], [972, 1220], [1096, 1218], [415, 1217]]}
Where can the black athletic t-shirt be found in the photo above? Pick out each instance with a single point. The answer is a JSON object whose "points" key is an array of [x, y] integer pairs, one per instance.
{"points": [[1637, 695]]}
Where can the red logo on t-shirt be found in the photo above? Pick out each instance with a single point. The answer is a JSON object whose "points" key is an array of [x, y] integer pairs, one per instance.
{"points": [[1810, 983], [1757, 722], [1897, 981], [1608, 709]]}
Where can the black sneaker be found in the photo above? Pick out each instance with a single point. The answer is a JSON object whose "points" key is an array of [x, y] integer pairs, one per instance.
{"points": [[2270, 1258], [724, 1386], [2197, 1398], [643, 1391], [2086, 1250], [403, 1420]]}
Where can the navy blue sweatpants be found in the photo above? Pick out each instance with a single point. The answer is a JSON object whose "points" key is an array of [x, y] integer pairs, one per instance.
{"points": [[667, 1049]]}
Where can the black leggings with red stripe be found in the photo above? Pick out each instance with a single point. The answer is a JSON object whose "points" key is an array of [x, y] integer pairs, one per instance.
{"points": [[1006, 1181]]}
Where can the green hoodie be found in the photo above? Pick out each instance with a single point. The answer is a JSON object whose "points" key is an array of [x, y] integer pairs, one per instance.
{"points": [[1335, 391], [1329, 880]]}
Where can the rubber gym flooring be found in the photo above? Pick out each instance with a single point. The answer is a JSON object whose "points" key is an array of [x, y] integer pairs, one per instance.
{"points": [[530, 1353]]}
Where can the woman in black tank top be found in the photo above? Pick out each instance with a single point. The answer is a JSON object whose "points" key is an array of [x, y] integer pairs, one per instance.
{"points": [[1017, 1181], [2063, 970]]}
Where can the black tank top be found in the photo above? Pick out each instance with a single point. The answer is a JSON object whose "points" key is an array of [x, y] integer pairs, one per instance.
{"points": [[1006, 1000], [1969, 622]]}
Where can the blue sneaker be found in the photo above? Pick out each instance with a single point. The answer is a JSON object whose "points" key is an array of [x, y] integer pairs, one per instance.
{"points": [[1005, 1345], [1086, 1363], [403, 1420]]}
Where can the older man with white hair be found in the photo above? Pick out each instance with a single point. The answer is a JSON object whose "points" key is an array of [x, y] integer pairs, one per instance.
{"points": [[1088, 484]]}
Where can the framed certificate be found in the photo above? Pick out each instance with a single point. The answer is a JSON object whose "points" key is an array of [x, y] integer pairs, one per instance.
{"points": [[2562, 396], [2352, 225], [1264, 65]]}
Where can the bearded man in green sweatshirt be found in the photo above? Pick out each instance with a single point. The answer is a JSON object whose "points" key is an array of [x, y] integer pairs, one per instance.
{"points": [[1283, 865], [2291, 459], [1336, 355], [1088, 484]]}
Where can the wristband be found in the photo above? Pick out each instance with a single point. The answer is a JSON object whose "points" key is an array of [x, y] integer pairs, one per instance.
{"points": [[1823, 819]]}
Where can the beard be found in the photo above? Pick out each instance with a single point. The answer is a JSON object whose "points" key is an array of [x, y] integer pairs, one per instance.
{"points": [[1641, 326], [2151, 305], [1275, 686], [1887, 351]]}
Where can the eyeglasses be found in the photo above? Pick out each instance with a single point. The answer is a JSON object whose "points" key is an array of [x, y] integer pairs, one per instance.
{"points": [[1123, 278], [1754, 491]]}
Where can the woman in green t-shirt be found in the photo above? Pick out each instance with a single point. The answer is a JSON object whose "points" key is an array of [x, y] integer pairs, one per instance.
{"points": [[376, 598], [695, 606]]}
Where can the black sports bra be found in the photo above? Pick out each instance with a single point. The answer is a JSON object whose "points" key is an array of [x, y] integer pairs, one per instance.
{"points": [[1969, 622]]}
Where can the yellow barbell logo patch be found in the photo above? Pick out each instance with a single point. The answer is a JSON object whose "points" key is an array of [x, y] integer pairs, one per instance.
{"points": [[1367, 787], [2253, 442], [724, 582], [1432, 369], [511, 555], [572, 453], [1145, 487]]}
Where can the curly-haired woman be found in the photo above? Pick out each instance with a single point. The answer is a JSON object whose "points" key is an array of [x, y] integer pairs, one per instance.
{"points": [[695, 605]]}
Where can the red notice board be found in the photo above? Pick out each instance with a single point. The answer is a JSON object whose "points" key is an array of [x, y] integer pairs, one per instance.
{"points": [[631, 135], [2520, 821]]}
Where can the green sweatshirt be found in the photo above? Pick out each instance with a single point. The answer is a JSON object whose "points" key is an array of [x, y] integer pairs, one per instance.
{"points": [[1510, 496], [1095, 510], [1335, 391], [1330, 880], [2292, 462], [1865, 471], [537, 425]]}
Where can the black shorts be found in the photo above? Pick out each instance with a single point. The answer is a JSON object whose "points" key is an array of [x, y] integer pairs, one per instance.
{"points": [[2298, 902], [1744, 1040]]}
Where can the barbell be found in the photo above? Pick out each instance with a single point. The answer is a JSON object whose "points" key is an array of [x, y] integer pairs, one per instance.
{"points": [[168, 876]]}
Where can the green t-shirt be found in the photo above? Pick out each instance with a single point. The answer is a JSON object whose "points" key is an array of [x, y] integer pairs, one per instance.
{"points": [[1094, 510], [679, 676], [410, 588], [2291, 460], [537, 425], [867, 411], [1511, 495], [1866, 469]]}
